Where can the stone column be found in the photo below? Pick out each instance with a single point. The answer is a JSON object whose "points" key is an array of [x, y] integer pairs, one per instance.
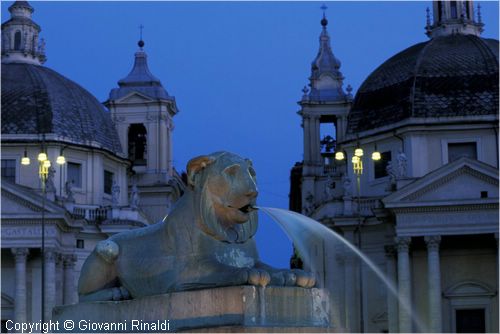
{"points": [[59, 280], [337, 305], [434, 284], [69, 279], [404, 284], [20, 255], [316, 141], [307, 140], [392, 301], [50, 282]]}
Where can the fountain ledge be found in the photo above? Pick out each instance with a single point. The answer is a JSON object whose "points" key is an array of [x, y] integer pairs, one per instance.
{"points": [[226, 309]]}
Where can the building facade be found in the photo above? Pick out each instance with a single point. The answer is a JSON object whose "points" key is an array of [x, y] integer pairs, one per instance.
{"points": [[407, 171], [116, 173]]}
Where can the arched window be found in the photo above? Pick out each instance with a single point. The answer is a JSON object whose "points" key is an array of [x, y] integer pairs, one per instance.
{"points": [[17, 40], [137, 144]]}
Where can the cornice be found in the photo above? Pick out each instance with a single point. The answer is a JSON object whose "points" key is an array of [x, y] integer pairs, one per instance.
{"points": [[447, 208]]}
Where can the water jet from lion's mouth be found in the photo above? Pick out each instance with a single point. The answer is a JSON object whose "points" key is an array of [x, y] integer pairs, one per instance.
{"points": [[306, 234]]}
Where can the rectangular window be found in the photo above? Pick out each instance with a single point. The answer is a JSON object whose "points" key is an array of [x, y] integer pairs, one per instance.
{"points": [[381, 165], [75, 174], [459, 150], [108, 182], [9, 169], [80, 243]]}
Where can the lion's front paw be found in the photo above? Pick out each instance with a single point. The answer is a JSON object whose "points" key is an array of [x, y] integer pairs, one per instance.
{"points": [[304, 279], [284, 277], [258, 277]]}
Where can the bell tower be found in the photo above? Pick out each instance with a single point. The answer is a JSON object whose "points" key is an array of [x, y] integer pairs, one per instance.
{"points": [[143, 113], [324, 108]]}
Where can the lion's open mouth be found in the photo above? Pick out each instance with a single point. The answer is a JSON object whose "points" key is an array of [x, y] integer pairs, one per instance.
{"points": [[245, 209]]}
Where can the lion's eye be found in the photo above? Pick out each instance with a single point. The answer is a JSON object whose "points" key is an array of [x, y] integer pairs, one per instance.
{"points": [[252, 172], [232, 170]]}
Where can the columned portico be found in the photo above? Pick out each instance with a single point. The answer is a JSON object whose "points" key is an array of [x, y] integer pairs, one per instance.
{"points": [[50, 282], [434, 283], [404, 284], [20, 255]]}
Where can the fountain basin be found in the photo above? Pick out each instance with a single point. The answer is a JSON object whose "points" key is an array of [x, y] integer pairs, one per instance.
{"points": [[226, 309]]}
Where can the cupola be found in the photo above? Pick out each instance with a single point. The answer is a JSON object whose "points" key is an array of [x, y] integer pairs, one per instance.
{"points": [[454, 17], [20, 40]]}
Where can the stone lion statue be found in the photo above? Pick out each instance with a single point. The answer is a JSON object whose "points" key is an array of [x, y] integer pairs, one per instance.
{"points": [[205, 242]]}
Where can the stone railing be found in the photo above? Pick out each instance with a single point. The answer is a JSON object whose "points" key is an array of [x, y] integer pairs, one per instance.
{"points": [[366, 205], [329, 169], [90, 212]]}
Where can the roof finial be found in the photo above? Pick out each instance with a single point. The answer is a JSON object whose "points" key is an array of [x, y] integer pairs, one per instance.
{"points": [[479, 18], [349, 91], [428, 21], [324, 21], [141, 42]]}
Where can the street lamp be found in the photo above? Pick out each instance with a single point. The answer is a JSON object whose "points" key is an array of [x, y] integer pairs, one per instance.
{"points": [[376, 156], [357, 167], [43, 172]]}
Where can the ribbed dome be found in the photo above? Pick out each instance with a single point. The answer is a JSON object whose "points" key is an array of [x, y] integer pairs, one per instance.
{"points": [[455, 75], [36, 100]]}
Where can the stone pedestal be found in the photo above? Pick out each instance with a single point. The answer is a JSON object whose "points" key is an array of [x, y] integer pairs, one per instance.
{"points": [[227, 309]]}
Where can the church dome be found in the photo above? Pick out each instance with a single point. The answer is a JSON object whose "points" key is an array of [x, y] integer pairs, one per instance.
{"points": [[447, 76], [37, 100]]}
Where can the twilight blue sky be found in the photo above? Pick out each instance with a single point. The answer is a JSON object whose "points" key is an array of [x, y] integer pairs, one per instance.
{"points": [[235, 68]]}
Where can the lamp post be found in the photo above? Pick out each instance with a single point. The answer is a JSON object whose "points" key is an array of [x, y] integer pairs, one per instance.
{"points": [[357, 167], [44, 165]]}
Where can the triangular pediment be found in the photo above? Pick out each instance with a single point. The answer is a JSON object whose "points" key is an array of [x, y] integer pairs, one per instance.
{"points": [[19, 200], [134, 97], [463, 181]]}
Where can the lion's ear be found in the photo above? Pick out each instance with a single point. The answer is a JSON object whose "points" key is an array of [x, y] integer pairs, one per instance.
{"points": [[195, 165]]}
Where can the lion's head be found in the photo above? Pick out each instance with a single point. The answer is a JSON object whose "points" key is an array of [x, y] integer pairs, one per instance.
{"points": [[225, 192]]}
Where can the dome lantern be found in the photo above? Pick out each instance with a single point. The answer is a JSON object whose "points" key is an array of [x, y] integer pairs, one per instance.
{"points": [[453, 17], [20, 42]]}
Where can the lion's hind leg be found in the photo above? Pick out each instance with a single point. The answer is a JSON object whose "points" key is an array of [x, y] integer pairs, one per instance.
{"points": [[98, 280]]}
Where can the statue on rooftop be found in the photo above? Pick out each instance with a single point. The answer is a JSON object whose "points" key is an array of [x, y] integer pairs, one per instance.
{"points": [[134, 197], [115, 191], [68, 187], [402, 161]]}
